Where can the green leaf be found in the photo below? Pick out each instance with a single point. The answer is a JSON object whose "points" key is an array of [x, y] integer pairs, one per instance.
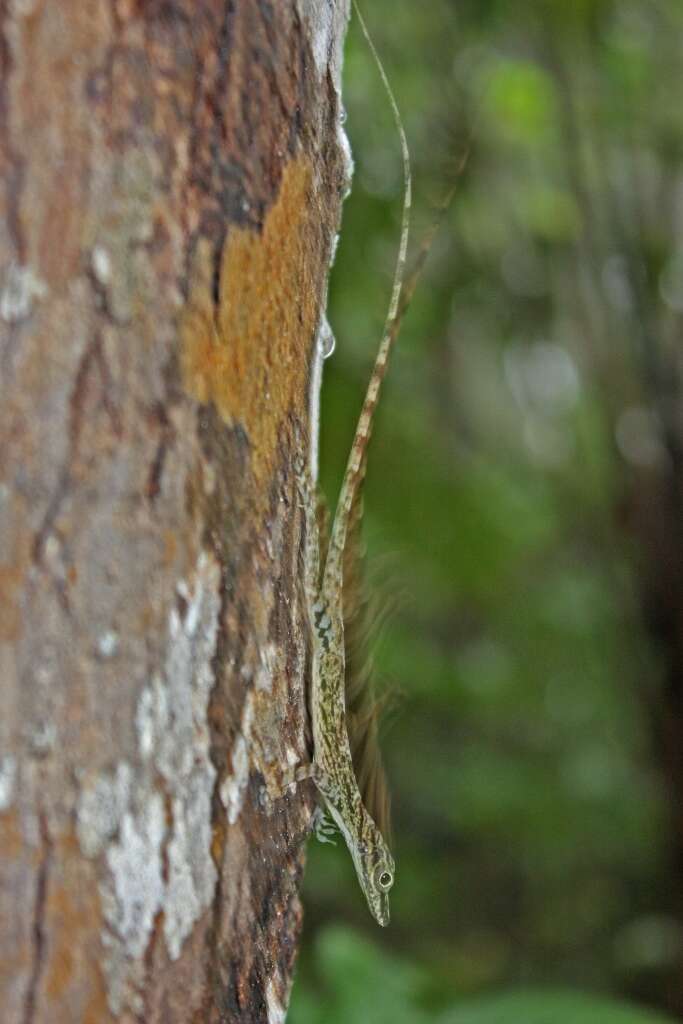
{"points": [[548, 1007]]}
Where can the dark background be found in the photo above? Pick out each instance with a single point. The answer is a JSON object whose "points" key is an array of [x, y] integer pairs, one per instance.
{"points": [[524, 512]]}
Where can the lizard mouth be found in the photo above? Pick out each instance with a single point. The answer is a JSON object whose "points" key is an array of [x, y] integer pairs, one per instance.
{"points": [[381, 910]]}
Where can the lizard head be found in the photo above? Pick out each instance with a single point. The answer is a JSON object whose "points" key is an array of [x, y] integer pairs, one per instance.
{"points": [[375, 869]]}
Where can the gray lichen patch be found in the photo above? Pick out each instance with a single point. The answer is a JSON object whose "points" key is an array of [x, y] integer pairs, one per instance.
{"points": [[101, 807], [173, 731], [264, 675], [20, 289], [131, 898], [124, 814], [108, 644], [151, 717], [188, 677], [101, 264], [137, 890], [8, 780], [234, 786], [191, 873]]}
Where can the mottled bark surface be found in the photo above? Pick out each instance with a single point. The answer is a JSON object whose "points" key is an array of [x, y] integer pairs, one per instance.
{"points": [[170, 188]]}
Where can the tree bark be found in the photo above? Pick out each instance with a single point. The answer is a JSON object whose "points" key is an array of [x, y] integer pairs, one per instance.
{"points": [[172, 174]]}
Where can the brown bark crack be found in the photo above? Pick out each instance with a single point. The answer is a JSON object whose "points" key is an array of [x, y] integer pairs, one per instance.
{"points": [[92, 358], [38, 927], [11, 162]]}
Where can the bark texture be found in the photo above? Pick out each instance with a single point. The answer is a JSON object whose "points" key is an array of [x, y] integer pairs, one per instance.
{"points": [[170, 187]]}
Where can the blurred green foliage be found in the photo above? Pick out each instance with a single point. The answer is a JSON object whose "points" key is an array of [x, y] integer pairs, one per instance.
{"points": [[531, 824], [362, 981]]}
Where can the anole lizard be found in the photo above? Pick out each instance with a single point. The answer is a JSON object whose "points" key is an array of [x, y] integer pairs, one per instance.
{"points": [[332, 767]]}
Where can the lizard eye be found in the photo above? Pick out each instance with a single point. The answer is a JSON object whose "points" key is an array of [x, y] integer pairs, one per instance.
{"points": [[384, 879]]}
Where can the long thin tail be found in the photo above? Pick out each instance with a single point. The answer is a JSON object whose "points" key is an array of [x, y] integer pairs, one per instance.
{"points": [[363, 707], [344, 560], [355, 469], [411, 281]]}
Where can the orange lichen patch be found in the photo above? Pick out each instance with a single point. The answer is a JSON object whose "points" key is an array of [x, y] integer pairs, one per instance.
{"points": [[248, 355]]}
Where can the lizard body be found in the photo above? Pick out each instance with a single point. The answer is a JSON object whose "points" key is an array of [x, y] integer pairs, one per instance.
{"points": [[329, 587], [332, 769]]}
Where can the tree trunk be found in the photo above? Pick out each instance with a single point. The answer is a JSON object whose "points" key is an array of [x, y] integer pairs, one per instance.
{"points": [[652, 512], [172, 174]]}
